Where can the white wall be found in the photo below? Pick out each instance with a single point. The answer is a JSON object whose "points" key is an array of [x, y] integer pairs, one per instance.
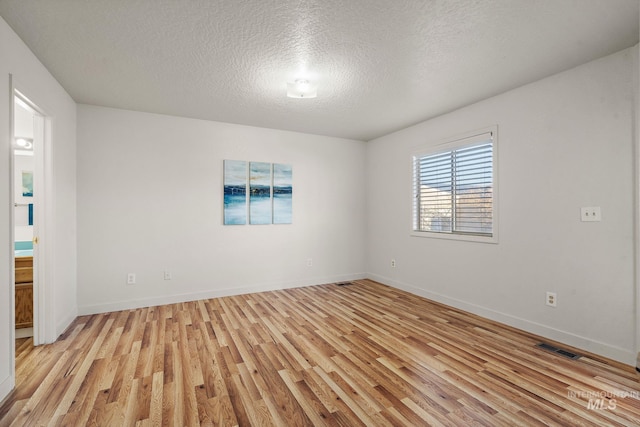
{"points": [[36, 83], [564, 142], [150, 199]]}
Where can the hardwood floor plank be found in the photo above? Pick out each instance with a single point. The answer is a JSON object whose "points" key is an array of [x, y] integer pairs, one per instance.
{"points": [[168, 409], [130, 405], [72, 395], [345, 395], [423, 414], [364, 354], [155, 404], [315, 416]]}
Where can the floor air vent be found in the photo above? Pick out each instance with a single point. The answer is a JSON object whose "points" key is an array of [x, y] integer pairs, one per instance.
{"points": [[344, 283], [557, 350]]}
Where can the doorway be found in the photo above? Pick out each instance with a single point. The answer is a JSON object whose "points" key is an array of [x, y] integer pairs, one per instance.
{"points": [[28, 194]]}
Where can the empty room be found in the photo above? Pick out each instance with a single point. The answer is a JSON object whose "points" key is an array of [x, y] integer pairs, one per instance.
{"points": [[339, 212]]}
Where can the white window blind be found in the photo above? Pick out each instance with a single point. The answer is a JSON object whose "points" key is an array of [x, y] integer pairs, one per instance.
{"points": [[453, 189]]}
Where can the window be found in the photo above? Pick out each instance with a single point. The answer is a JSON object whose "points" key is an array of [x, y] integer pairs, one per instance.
{"points": [[454, 189]]}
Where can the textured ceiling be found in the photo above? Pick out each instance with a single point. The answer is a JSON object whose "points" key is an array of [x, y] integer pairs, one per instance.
{"points": [[380, 65]]}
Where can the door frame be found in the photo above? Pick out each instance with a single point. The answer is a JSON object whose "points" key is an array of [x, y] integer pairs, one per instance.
{"points": [[43, 327], [636, 197]]}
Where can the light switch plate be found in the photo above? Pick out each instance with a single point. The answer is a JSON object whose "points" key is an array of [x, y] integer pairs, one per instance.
{"points": [[590, 214]]}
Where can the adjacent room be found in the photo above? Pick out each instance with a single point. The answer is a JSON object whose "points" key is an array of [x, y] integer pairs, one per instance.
{"points": [[298, 212]]}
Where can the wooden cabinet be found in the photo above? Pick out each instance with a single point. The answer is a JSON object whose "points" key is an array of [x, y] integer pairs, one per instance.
{"points": [[24, 292]]}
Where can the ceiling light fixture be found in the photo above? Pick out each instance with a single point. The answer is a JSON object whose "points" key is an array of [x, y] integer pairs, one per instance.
{"points": [[302, 88], [25, 143]]}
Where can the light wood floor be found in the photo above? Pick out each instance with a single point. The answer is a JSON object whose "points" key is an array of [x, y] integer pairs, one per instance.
{"points": [[363, 354]]}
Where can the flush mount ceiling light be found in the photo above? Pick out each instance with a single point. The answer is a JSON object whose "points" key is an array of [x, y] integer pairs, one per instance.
{"points": [[24, 143], [302, 88]]}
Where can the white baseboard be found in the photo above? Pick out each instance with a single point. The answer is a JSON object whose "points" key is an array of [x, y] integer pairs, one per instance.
{"points": [[214, 293], [6, 386], [612, 352], [24, 333], [62, 325]]}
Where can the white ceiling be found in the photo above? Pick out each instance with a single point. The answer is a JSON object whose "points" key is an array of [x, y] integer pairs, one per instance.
{"points": [[380, 65]]}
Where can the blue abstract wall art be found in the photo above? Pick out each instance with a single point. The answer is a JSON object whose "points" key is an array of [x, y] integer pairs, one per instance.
{"points": [[282, 194], [27, 183], [260, 193], [257, 193], [235, 192]]}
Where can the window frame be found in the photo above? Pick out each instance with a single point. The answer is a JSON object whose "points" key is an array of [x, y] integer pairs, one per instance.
{"points": [[466, 139]]}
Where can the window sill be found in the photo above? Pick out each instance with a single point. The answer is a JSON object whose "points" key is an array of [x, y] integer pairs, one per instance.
{"points": [[460, 237]]}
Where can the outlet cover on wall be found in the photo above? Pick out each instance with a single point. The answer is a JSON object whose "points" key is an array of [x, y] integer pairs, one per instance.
{"points": [[131, 279], [552, 299]]}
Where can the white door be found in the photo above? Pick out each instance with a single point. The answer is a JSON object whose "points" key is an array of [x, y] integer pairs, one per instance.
{"points": [[30, 214]]}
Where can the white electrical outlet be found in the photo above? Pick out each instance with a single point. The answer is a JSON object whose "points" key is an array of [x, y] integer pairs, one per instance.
{"points": [[552, 299], [131, 279], [309, 262], [393, 263], [591, 214], [167, 275]]}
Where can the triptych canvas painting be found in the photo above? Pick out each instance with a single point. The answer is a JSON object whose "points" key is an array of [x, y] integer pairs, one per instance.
{"points": [[257, 193]]}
